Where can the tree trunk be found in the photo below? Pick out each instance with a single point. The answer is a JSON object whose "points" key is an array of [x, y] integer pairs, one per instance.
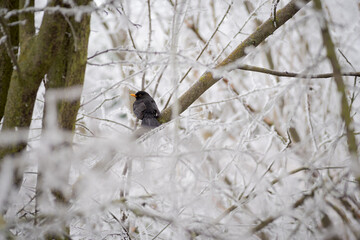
{"points": [[7, 49], [36, 56], [67, 70]]}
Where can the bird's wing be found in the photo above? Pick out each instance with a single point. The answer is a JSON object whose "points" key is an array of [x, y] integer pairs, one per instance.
{"points": [[139, 108], [153, 104], [149, 122]]}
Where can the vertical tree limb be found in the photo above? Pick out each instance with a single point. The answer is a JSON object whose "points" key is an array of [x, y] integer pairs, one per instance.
{"points": [[345, 108], [67, 70]]}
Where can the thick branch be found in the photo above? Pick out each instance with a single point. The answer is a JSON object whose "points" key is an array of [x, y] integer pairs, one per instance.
{"points": [[207, 79]]}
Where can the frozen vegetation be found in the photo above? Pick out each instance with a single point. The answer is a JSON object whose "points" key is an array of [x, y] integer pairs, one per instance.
{"points": [[259, 155]]}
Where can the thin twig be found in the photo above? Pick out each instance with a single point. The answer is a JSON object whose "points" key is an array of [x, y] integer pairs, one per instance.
{"points": [[108, 120], [143, 79], [352, 99], [8, 46], [202, 51], [76, 40], [112, 87], [308, 116], [129, 32], [192, 27], [150, 24], [159, 78], [208, 79], [273, 13], [271, 219], [292, 74], [242, 27], [121, 49]]}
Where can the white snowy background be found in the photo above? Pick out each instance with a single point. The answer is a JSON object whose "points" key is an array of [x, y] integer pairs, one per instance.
{"points": [[226, 168]]}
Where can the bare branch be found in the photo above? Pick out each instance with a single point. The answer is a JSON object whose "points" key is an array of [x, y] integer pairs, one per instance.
{"points": [[207, 79], [203, 50], [292, 74], [345, 109]]}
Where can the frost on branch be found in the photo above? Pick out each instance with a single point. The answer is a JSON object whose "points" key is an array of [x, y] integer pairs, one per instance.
{"points": [[262, 154]]}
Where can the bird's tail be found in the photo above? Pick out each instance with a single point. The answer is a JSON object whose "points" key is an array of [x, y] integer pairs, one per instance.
{"points": [[150, 122]]}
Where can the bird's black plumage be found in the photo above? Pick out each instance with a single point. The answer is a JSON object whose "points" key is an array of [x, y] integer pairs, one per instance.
{"points": [[145, 109]]}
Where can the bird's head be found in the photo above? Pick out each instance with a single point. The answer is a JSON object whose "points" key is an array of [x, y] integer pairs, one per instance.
{"points": [[140, 94]]}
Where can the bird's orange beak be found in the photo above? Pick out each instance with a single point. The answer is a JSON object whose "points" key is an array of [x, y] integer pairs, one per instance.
{"points": [[133, 95]]}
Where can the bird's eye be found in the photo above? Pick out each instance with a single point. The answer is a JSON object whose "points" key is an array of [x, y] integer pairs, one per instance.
{"points": [[140, 95]]}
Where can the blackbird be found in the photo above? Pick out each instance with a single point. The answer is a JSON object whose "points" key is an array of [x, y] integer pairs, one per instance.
{"points": [[146, 110]]}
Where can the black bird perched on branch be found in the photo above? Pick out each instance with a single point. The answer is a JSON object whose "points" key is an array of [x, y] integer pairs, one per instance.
{"points": [[146, 110]]}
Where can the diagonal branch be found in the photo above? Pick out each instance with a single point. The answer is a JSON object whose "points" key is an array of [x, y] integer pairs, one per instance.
{"points": [[345, 109], [203, 50], [207, 79]]}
